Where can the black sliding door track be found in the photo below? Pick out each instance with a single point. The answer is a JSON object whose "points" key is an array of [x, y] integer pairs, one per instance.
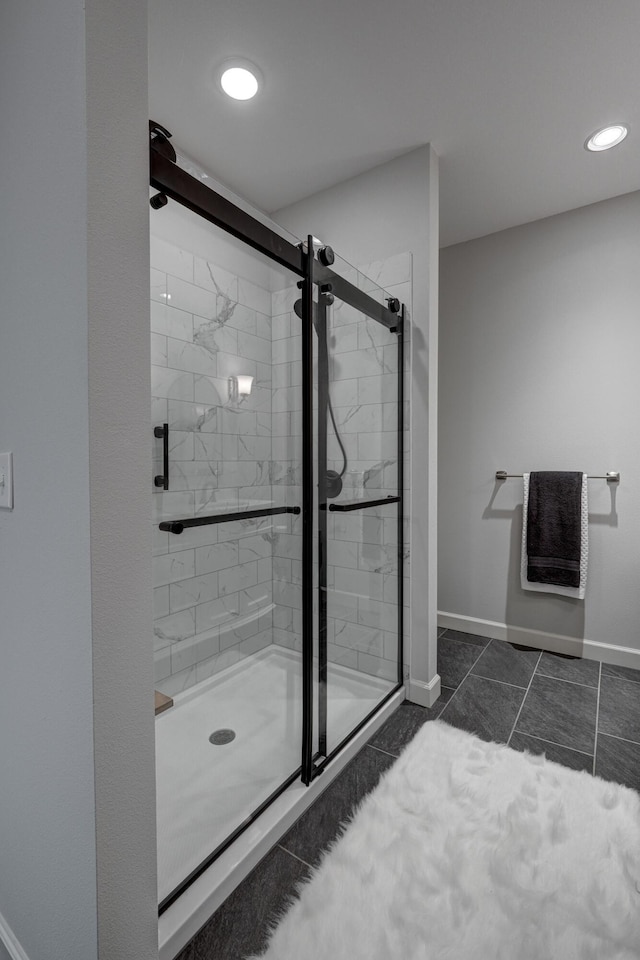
{"points": [[172, 180]]}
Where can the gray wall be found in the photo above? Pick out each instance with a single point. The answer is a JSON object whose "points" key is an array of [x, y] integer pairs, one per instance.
{"points": [[47, 814], [388, 210], [76, 816], [539, 351], [119, 470]]}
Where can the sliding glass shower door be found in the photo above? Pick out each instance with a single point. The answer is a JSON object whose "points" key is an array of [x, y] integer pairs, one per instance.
{"points": [[358, 390], [277, 387], [227, 546]]}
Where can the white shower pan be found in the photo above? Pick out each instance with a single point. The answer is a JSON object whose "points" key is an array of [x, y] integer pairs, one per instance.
{"points": [[205, 790]]}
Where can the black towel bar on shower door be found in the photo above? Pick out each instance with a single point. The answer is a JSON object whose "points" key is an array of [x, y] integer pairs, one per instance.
{"points": [[348, 505], [177, 526]]}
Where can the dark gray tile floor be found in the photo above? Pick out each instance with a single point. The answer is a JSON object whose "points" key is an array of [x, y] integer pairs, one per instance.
{"points": [[581, 713], [311, 835], [578, 712]]}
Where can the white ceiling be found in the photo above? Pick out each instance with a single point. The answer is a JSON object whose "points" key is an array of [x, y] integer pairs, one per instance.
{"points": [[505, 90]]}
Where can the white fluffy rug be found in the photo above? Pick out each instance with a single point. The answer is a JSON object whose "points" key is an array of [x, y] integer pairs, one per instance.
{"points": [[469, 850]]}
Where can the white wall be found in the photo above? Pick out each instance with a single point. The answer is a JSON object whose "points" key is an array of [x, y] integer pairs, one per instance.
{"points": [[76, 816], [539, 348], [386, 211]]}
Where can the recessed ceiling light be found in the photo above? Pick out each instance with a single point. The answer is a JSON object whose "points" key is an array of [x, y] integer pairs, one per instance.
{"points": [[240, 79], [607, 137]]}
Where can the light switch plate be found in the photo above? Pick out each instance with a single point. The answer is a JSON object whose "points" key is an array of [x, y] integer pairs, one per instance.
{"points": [[6, 481]]}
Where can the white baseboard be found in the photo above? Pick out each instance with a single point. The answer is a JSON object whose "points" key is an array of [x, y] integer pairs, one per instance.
{"points": [[553, 642], [424, 694], [9, 945]]}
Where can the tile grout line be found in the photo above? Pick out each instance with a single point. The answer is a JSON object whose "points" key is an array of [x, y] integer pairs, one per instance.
{"points": [[613, 736], [576, 683], [526, 694], [595, 739], [380, 750], [295, 857], [553, 743], [612, 676], [453, 695], [505, 683], [482, 646]]}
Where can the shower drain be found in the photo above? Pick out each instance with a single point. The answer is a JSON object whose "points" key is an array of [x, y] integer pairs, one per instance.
{"points": [[222, 736]]}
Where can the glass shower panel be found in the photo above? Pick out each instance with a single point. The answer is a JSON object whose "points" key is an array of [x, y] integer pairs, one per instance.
{"points": [[277, 439], [227, 549], [358, 412]]}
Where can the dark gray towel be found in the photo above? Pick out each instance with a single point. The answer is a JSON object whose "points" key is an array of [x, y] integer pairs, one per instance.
{"points": [[553, 528]]}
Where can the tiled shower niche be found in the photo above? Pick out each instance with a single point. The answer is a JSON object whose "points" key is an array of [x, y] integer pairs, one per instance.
{"points": [[223, 592]]}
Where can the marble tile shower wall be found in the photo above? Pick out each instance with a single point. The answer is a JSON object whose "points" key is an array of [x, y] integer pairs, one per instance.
{"points": [[212, 584], [362, 553], [222, 592]]}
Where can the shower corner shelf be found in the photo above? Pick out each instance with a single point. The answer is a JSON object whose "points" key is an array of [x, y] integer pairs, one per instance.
{"points": [[162, 702]]}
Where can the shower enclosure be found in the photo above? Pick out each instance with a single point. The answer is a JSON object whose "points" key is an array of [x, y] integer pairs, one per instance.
{"points": [[277, 388]]}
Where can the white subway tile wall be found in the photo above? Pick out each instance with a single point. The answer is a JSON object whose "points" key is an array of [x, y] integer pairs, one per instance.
{"points": [[213, 584], [224, 591]]}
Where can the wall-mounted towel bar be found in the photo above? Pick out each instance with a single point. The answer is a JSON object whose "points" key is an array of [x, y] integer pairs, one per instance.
{"points": [[613, 476]]}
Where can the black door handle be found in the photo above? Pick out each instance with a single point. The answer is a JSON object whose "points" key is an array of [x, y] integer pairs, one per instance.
{"points": [[163, 480]]}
